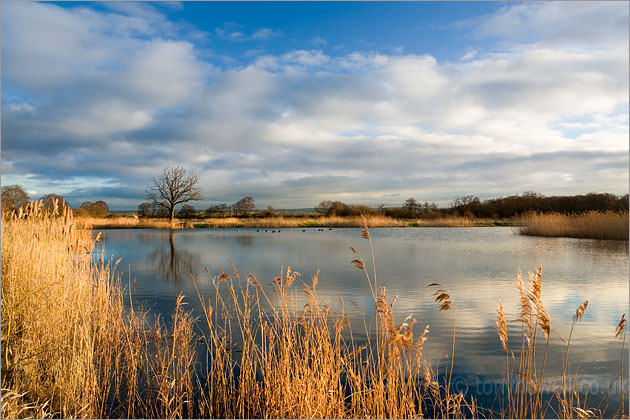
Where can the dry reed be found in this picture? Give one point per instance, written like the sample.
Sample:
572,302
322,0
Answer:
524,398
592,224
277,222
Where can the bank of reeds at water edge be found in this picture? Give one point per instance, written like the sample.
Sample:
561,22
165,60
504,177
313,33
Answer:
592,225
74,346
277,222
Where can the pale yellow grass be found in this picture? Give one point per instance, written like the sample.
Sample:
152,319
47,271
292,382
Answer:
69,349
330,221
375,221
128,223
593,225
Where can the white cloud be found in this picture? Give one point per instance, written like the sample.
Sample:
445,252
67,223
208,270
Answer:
163,73
265,34
469,55
105,118
318,41
583,25
234,32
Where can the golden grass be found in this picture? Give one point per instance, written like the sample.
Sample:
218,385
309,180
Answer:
230,222
96,223
593,225
71,347
375,221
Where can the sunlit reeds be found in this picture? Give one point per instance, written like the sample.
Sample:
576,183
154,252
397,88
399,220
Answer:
523,397
128,223
278,222
592,224
69,347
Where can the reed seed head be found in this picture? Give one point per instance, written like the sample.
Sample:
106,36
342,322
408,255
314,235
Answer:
621,326
579,313
223,276
544,319
358,264
535,286
525,315
442,297
502,326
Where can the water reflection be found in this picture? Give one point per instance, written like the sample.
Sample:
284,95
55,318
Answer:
174,264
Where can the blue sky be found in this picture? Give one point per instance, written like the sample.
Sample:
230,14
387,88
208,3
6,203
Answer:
294,103
241,30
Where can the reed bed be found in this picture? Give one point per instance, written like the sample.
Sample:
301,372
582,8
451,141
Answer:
97,223
231,222
71,346
330,221
592,225
375,221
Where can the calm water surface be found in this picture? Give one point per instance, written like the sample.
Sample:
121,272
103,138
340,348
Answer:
478,266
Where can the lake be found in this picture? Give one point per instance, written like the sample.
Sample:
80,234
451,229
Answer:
478,266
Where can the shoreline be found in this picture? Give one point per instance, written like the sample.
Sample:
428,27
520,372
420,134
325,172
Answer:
280,223
589,225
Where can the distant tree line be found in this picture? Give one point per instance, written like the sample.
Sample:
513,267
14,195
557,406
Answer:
472,206
410,209
14,197
515,205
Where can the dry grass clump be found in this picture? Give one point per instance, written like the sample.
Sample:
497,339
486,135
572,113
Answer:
96,223
592,224
230,222
328,221
378,221
69,348
47,314
449,221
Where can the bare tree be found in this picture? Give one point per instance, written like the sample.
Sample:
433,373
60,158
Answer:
244,205
186,212
13,197
175,186
218,209
333,208
411,207
98,209
145,209
54,203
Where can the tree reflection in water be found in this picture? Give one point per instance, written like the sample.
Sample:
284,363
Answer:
175,265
